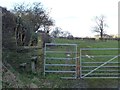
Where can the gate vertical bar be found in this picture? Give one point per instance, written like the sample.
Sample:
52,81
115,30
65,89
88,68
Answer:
76,62
80,63
44,57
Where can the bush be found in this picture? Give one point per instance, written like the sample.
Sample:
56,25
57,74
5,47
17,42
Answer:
8,27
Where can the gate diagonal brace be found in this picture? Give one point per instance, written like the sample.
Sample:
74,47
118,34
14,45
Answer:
100,66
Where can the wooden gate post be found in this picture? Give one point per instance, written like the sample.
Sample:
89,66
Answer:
40,51
78,65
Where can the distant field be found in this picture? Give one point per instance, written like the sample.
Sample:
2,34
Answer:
89,43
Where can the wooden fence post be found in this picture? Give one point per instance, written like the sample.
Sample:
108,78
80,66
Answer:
40,51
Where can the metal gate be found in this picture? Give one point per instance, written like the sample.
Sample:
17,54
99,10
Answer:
60,60
99,63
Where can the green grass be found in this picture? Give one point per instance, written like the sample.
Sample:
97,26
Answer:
90,43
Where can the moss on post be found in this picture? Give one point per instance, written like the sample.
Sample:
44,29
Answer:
40,52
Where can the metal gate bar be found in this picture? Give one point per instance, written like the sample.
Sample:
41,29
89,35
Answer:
93,68
99,66
52,58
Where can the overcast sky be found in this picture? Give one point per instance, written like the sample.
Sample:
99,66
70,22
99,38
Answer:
77,16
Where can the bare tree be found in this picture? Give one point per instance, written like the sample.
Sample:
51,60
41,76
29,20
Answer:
65,34
56,33
100,25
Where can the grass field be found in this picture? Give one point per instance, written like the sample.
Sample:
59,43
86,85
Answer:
52,80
